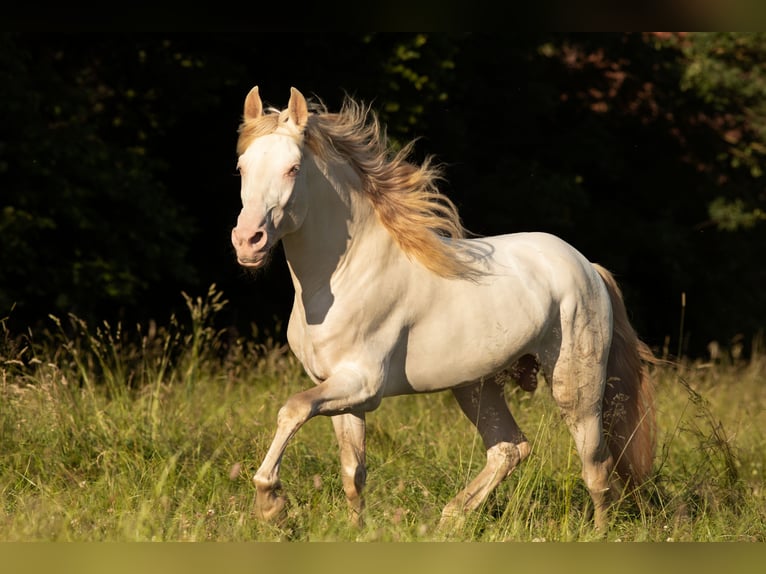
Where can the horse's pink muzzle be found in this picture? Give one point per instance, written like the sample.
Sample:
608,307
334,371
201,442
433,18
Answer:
251,242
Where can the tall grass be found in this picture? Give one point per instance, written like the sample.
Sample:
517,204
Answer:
153,433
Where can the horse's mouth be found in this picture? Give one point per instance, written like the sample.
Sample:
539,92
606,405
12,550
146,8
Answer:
251,262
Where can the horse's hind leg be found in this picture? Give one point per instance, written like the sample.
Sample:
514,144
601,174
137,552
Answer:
484,405
577,387
350,431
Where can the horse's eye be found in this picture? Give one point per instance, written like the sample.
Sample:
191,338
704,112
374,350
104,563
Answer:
294,171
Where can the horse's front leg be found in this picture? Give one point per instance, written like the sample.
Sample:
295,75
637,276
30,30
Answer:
350,431
347,390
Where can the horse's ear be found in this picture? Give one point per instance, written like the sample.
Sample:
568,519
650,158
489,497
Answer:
297,109
253,105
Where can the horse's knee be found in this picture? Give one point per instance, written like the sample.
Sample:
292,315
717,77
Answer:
294,412
505,456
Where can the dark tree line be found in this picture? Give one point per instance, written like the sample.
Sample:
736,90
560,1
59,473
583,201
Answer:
117,186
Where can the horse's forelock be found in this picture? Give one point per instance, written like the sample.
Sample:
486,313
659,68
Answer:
253,128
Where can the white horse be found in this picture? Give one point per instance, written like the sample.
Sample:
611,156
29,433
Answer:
391,298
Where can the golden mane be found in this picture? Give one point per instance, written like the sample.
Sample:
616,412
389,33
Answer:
424,222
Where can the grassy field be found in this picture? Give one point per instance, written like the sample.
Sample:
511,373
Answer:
153,434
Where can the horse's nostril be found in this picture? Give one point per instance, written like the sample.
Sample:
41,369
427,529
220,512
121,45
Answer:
256,238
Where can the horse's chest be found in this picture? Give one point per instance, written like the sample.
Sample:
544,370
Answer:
316,348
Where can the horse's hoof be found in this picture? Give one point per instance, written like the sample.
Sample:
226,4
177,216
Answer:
452,519
270,508
356,517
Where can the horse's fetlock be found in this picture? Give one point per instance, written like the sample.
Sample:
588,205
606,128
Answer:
265,483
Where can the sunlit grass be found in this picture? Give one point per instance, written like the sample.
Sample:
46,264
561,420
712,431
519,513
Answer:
154,434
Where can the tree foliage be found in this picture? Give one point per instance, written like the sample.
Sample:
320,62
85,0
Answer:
724,70
87,221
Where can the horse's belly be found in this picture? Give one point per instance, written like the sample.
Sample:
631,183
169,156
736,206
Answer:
465,342
434,372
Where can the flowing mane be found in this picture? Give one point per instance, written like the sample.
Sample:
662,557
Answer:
424,222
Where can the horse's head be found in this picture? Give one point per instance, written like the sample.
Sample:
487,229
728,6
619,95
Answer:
272,204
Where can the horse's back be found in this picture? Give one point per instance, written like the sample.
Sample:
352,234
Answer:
538,267
534,252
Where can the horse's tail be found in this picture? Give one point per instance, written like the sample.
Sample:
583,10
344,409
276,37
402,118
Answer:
628,414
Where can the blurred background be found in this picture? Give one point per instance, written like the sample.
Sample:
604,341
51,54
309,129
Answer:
118,188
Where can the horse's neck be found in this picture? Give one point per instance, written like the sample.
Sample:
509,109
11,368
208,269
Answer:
339,229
